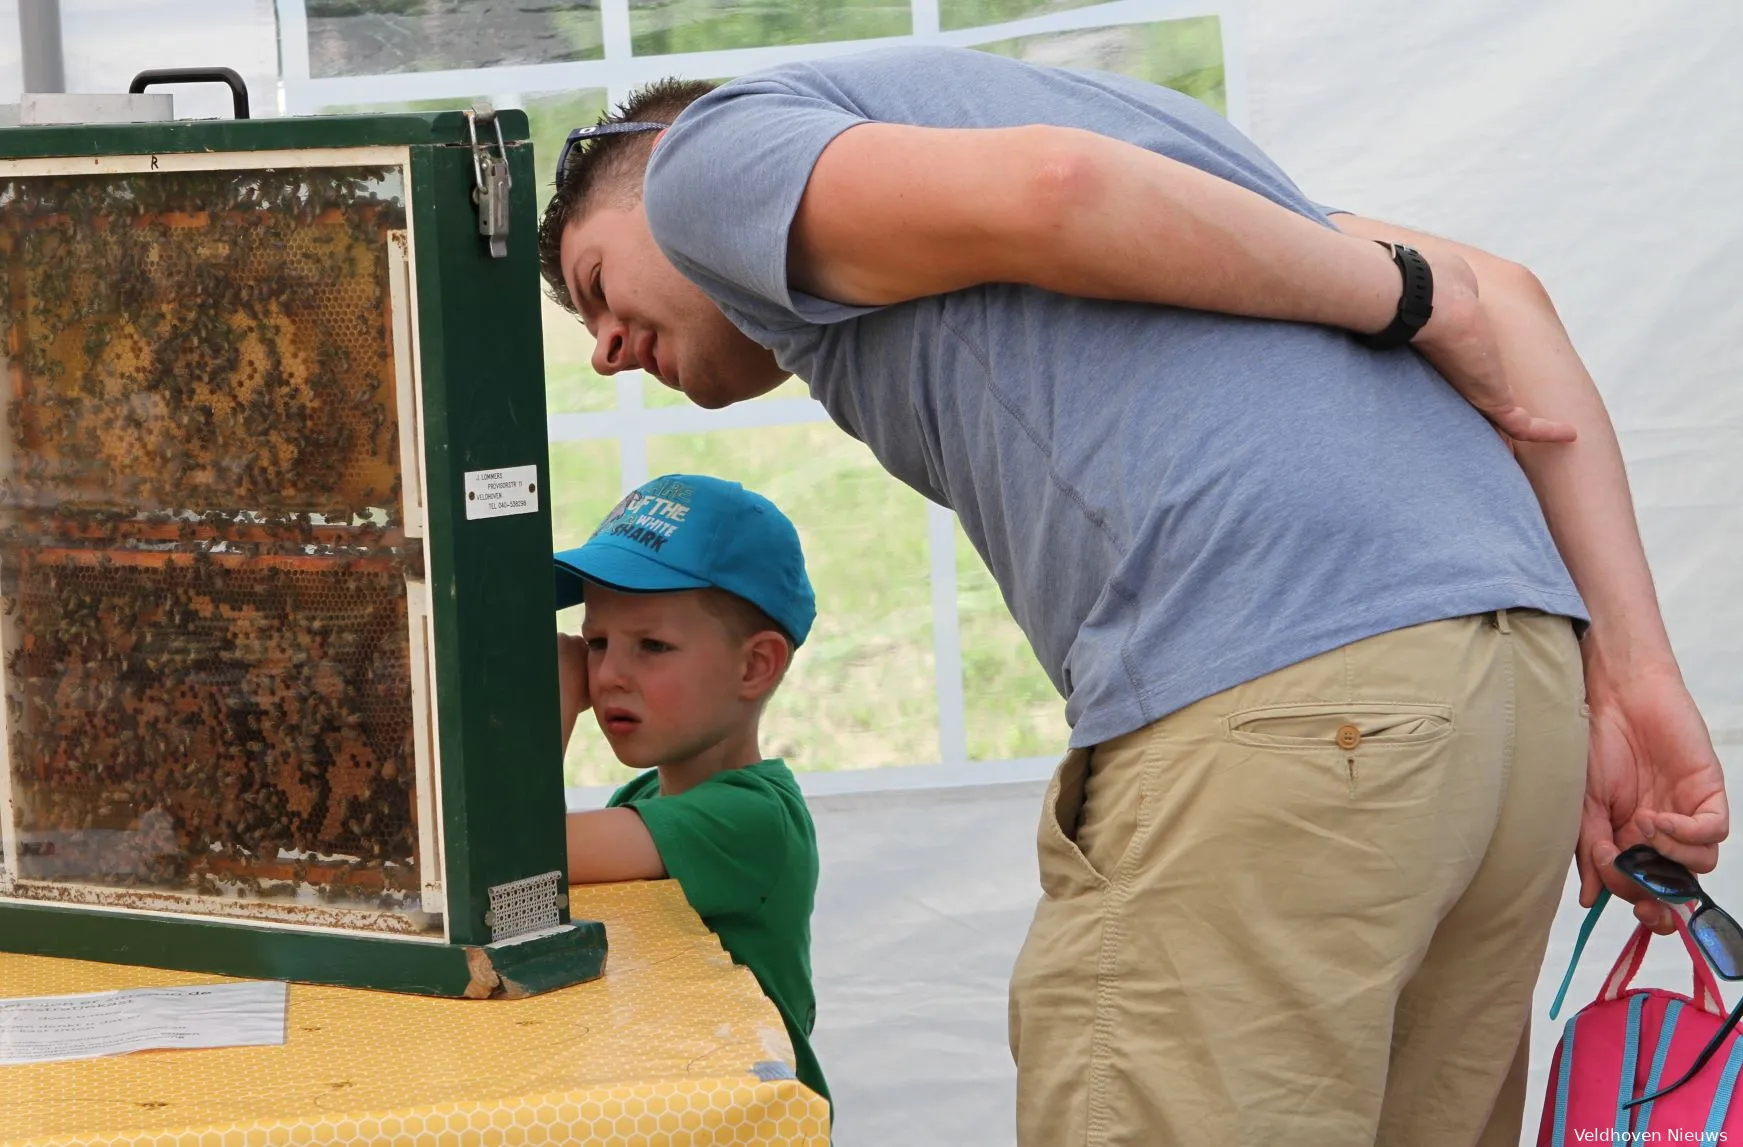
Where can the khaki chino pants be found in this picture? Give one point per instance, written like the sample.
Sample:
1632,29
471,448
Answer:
1311,909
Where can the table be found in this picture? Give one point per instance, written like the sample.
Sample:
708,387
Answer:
675,1045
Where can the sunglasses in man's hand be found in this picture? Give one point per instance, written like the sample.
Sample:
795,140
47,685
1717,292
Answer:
1715,933
1713,928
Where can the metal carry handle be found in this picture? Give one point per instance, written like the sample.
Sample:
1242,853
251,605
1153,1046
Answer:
238,89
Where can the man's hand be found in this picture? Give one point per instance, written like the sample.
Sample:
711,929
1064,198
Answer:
574,698
1460,342
1651,777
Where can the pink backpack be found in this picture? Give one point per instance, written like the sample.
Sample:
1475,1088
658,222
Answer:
1629,1042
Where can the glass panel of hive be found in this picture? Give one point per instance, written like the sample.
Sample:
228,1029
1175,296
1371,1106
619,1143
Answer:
207,675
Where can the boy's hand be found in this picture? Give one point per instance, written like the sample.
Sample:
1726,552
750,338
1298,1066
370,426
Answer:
573,694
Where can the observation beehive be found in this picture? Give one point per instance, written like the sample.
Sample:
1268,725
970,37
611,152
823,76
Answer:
275,582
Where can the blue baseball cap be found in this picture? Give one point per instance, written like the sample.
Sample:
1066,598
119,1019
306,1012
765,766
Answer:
690,531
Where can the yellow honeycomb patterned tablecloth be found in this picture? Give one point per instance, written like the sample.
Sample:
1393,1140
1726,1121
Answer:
661,1051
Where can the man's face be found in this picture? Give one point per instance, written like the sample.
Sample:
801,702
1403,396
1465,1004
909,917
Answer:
644,314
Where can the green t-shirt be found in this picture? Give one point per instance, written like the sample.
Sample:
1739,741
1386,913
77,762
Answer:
742,847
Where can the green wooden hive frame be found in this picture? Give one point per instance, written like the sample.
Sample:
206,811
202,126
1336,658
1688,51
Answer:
489,583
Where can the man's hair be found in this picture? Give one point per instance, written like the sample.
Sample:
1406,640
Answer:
608,166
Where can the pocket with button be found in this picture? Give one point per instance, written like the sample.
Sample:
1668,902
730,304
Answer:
1345,726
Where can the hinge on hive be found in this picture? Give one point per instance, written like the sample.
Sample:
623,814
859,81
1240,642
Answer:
490,179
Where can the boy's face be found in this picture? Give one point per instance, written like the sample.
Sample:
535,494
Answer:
667,680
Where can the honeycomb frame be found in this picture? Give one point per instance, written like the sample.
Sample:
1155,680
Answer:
190,466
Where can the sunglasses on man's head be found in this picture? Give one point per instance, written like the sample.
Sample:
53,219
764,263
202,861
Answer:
582,134
1715,933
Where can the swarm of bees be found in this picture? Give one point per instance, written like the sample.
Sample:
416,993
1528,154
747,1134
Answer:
207,672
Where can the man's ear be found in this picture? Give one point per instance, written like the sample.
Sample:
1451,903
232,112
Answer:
766,657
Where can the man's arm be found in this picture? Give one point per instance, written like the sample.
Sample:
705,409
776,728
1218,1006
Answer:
1653,772
893,212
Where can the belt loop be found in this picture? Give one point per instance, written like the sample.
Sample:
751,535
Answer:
1501,621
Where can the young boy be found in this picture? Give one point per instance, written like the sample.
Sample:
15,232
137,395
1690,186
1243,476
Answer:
696,599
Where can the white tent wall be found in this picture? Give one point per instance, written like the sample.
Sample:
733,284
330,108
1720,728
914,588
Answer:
105,43
1601,144
925,897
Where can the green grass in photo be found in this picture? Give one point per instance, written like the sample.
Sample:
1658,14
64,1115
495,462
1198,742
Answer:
571,384
1186,55
664,27
861,691
550,118
957,14
1010,709
585,483
657,394
398,107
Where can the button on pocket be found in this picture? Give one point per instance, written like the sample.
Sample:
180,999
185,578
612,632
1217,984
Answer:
1340,725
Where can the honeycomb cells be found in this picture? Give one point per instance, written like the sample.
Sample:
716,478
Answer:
207,672
227,349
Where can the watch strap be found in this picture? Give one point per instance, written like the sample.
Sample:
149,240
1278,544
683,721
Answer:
1415,301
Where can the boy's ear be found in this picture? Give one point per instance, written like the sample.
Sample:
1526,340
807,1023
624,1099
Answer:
766,657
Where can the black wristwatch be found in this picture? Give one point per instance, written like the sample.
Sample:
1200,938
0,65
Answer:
1415,302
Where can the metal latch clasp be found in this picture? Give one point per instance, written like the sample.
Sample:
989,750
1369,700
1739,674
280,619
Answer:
490,180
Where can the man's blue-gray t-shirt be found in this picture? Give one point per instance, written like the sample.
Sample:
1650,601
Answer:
1172,502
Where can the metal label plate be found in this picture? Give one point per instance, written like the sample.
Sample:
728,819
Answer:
502,493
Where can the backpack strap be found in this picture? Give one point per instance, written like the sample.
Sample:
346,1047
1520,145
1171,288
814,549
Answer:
1630,1065
1627,964
1666,1033
1715,1130
1564,1077
1705,991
